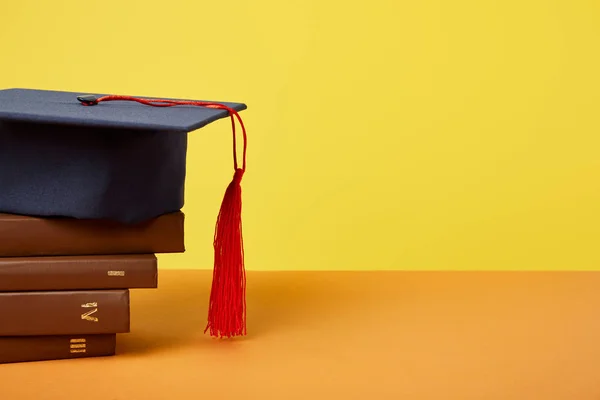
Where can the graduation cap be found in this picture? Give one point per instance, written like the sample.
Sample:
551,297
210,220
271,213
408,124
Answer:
120,158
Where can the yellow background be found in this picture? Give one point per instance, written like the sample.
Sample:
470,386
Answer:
382,134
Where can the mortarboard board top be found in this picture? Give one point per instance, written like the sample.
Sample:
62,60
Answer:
59,107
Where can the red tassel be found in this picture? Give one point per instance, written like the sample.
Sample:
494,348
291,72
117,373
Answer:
227,310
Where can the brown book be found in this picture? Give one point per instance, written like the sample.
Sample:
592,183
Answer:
24,236
64,312
44,348
127,271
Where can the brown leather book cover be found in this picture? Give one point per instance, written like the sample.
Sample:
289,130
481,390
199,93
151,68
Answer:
16,349
64,312
127,271
25,236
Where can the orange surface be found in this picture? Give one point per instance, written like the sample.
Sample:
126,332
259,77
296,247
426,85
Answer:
360,335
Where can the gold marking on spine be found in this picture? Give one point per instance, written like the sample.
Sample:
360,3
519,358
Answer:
87,316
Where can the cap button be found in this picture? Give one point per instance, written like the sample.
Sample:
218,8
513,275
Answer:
88,100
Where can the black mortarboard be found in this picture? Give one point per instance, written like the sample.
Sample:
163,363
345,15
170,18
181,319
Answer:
121,158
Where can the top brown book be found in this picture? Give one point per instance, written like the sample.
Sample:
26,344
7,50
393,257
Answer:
25,236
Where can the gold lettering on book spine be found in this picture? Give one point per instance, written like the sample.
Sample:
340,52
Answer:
77,346
87,316
116,273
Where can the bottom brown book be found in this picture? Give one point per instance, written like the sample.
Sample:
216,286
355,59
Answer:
14,349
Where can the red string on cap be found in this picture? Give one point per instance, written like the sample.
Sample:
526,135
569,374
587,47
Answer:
227,307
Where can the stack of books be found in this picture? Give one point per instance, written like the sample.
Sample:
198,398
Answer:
64,282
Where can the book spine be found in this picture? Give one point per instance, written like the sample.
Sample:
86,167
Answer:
85,312
44,348
78,272
23,236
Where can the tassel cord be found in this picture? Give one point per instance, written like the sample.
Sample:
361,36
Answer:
227,304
